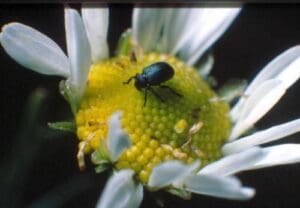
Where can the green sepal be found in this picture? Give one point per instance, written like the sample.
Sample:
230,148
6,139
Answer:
232,89
211,81
250,131
205,65
101,156
68,126
180,193
124,46
101,167
69,94
101,159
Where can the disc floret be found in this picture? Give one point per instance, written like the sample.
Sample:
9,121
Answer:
186,128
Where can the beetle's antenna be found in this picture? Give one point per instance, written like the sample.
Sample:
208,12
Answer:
129,80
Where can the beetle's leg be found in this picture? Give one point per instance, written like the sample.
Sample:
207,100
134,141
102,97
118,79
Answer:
145,98
171,90
155,93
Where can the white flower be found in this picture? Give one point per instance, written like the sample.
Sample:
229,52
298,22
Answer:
39,53
186,33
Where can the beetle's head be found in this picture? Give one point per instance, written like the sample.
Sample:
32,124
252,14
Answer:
140,82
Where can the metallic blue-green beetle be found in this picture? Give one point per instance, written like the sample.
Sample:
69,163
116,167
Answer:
153,75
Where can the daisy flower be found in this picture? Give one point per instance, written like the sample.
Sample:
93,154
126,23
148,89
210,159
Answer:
149,112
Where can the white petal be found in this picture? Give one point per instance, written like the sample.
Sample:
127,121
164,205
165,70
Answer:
79,50
34,50
182,27
218,186
161,28
121,192
278,155
170,172
163,43
233,163
257,105
178,26
262,137
169,30
206,28
284,67
96,20
118,140
205,68
137,197
147,24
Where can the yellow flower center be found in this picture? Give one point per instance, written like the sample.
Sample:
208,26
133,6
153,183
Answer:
193,126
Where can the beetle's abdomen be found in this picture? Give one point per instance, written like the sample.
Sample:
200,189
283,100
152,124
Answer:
158,73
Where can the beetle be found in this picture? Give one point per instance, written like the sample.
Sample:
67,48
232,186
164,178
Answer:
153,75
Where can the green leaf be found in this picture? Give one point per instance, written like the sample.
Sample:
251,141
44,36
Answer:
68,126
180,193
26,148
124,46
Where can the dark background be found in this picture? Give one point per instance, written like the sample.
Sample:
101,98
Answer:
38,167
